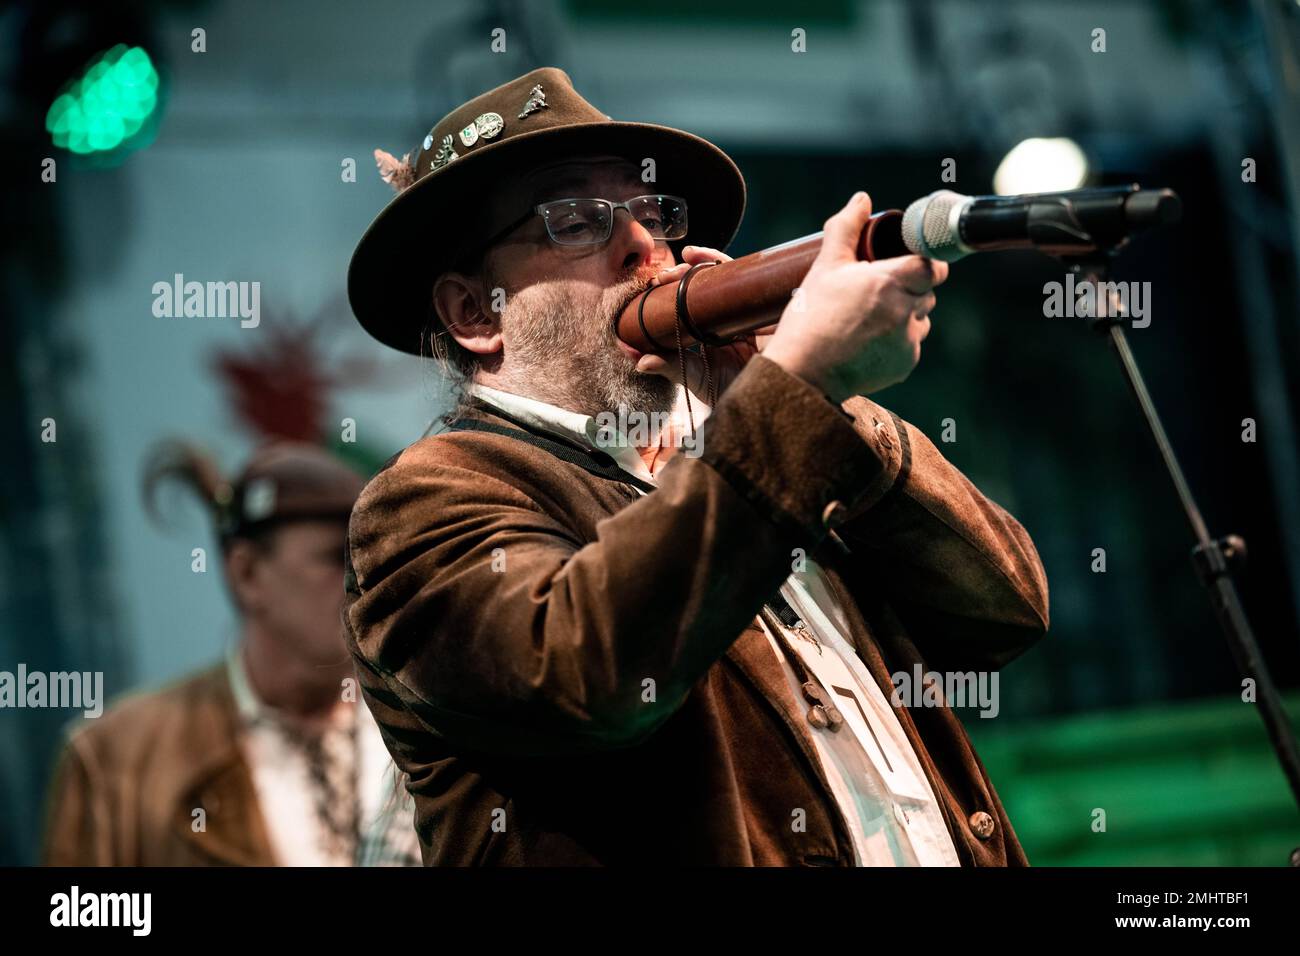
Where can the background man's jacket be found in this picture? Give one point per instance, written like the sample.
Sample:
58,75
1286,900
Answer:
572,673
128,784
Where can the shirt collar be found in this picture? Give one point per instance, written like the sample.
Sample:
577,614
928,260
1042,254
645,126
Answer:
577,425
246,702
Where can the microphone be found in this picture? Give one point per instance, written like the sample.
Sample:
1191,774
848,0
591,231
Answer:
947,225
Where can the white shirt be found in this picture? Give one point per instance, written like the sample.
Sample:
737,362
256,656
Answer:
286,792
875,775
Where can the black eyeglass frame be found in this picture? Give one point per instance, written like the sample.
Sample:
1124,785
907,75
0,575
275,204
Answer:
613,207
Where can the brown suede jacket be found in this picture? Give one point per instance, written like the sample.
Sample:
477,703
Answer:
128,784
572,673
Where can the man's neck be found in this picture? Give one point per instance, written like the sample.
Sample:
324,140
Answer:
284,682
656,454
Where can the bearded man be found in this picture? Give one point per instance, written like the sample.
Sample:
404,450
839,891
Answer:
590,649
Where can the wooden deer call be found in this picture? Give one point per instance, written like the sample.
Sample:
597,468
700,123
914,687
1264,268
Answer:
718,303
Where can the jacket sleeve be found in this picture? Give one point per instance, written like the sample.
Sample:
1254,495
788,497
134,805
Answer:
961,572
472,605
75,832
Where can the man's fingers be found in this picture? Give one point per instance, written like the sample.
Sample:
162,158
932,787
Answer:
669,367
691,255
904,306
844,229
671,274
694,254
654,365
922,328
916,274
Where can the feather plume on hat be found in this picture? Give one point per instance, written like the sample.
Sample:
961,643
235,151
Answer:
398,173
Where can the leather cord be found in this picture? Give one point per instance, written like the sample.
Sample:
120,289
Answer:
682,316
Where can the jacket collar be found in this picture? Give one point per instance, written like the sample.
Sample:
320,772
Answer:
220,783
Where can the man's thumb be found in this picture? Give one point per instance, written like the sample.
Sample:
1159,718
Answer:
844,229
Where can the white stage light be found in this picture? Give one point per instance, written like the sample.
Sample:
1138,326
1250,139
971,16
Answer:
1041,166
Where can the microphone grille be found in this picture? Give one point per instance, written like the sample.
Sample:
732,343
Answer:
929,227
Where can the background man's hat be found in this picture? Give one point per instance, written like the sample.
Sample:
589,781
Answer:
441,213
290,481
282,482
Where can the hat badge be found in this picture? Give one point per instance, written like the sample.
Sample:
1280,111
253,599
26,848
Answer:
485,126
445,153
259,499
489,125
536,101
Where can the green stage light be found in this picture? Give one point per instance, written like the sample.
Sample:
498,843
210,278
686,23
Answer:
108,105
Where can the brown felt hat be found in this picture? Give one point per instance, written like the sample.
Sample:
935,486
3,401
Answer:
288,481
440,214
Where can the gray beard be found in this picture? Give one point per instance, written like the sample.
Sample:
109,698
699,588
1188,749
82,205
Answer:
563,351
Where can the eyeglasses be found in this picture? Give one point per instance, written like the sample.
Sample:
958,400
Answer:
589,222
585,222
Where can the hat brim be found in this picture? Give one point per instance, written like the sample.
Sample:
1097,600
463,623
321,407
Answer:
415,237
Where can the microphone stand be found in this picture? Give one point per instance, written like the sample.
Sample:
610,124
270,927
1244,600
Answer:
1215,559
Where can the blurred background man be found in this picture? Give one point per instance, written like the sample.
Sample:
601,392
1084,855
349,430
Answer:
265,758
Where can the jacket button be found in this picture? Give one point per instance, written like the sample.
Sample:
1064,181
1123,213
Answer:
981,824
834,514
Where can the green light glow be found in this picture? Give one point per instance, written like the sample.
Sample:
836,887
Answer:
108,105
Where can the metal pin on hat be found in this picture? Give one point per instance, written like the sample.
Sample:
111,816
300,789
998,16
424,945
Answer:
536,101
445,153
489,125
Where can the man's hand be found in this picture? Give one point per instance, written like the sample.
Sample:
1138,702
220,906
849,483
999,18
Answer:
725,362
856,327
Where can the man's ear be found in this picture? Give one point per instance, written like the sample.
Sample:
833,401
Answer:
240,565
466,307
